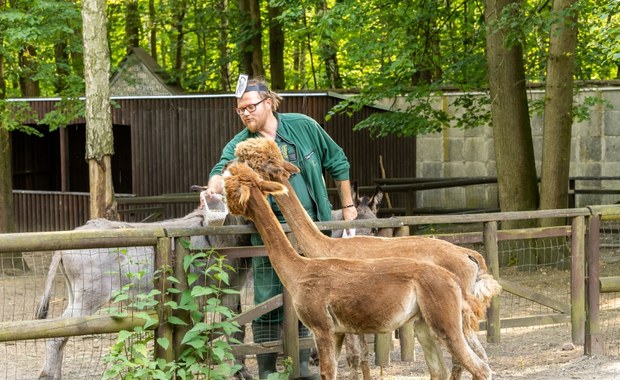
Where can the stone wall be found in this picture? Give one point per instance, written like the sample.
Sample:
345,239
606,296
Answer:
595,151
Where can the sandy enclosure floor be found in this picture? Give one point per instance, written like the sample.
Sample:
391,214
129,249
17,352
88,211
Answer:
534,353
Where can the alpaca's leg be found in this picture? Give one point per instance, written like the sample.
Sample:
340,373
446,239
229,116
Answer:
364,363
476,346
442,312
352,347
328,346
432,353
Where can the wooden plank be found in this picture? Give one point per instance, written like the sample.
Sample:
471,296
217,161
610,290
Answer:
181,285
70,326
268,347
531,295
260,309
537,320
492,257
48,241
501,216
533,233
594,339
163,269
609,284
383,346
578,280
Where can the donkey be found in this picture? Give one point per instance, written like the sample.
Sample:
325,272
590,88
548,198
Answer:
92,277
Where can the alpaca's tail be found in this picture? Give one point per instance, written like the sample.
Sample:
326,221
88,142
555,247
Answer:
476,304
485,288
43,306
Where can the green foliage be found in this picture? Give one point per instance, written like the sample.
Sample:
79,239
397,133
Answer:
14,116
65,112
284,375
203,356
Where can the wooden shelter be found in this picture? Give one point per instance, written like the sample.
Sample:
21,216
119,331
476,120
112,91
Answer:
165,144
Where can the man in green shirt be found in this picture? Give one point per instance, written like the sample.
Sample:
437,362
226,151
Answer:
304,143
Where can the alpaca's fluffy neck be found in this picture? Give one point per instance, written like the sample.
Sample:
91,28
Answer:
284,259
310,239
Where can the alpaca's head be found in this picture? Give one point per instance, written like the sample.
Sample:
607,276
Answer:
240,181
264,157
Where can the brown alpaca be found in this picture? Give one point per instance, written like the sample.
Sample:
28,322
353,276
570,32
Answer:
334,296
468,265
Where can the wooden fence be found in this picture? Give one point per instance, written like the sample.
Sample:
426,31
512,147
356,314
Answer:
581,311
56,211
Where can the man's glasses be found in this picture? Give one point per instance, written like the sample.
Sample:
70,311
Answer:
250,108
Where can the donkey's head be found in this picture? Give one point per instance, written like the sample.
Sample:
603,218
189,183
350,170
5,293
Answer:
367,203
264,157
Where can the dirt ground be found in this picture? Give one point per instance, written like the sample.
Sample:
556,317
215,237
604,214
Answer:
535,353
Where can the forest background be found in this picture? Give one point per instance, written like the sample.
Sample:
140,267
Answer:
376,49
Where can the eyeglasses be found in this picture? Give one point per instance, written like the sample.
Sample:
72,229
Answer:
250,108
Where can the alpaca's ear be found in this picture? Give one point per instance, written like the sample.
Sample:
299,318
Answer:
272,170
245,195
292,169
270,187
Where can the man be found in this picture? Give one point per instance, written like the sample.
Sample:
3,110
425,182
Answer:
305,144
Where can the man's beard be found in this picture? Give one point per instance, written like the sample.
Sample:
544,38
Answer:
252,126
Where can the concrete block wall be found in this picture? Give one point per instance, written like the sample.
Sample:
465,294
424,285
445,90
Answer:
595,151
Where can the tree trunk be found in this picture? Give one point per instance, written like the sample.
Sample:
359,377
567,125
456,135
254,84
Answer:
132,23
514,149
558,117
180,11
99,138
276,49
11,263
222,47
61,60
27,62
257,40
245,22
153,29
328,52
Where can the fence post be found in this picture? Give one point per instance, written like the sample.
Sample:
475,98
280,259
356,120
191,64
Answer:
491,251
593,339
179,331
163,266
578,281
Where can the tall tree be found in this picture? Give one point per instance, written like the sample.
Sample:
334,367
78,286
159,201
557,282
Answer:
222,46
514,149
132,23
558,116
276,48
152,27
256,41
179,13
99,138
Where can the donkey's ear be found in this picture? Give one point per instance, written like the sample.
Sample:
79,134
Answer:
377,198
354,193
